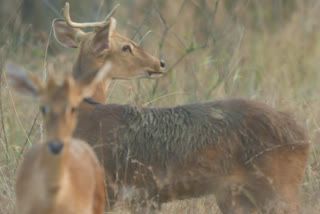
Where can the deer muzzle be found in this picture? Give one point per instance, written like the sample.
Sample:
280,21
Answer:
55,147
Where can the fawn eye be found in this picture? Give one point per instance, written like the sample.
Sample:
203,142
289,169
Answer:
127,48
74,109
44,110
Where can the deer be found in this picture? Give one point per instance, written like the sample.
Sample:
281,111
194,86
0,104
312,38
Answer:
104,44
250,156
61,174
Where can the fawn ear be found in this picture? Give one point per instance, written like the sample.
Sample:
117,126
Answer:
89,82
101,39
65,35
23,82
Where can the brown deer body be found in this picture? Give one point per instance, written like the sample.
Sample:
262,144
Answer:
61,175
250,156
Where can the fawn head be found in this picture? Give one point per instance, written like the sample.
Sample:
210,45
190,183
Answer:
58,102
103,44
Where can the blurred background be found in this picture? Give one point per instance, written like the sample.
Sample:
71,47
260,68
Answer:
266,50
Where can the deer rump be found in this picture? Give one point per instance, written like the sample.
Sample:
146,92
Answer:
197,149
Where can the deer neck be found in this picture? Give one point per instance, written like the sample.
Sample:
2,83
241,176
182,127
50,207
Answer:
99,96
78,72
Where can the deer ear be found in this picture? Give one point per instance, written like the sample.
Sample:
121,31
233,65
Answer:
23,82
88,83
68,83
101,39
65,35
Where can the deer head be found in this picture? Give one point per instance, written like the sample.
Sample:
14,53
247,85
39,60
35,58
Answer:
129,61
58,102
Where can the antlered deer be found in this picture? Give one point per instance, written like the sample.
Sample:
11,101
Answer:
250,156
61,175
103,44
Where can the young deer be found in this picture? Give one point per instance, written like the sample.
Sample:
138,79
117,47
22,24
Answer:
103,44
61,175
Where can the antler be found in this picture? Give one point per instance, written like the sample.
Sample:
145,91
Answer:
86,24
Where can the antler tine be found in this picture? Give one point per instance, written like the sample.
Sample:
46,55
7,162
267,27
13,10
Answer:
80,25
112,12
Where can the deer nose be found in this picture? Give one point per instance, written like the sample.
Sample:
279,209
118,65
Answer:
162,64
55,147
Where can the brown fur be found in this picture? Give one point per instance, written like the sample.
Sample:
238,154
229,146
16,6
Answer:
250,156
79,188
61,175
105,44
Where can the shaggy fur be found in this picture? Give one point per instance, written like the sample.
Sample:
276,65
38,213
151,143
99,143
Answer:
157,134
250,156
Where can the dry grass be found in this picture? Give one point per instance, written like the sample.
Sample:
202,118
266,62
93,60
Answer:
279,66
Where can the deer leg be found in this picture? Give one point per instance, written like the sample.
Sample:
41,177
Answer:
231,200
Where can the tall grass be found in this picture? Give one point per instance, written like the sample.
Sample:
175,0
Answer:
210,55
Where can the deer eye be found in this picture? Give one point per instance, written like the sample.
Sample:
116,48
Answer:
74,109
44,110
127,48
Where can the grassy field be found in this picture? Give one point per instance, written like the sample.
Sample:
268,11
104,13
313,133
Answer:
211,52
